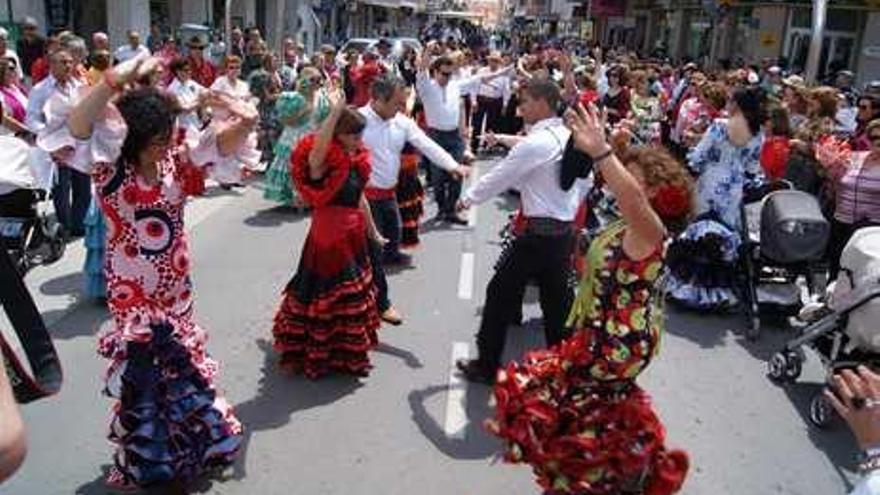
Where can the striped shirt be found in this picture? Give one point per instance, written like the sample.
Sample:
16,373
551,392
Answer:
858,191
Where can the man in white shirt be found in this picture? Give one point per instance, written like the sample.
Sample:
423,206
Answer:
542,250
133,49
68,181
441,98
385,135
492,96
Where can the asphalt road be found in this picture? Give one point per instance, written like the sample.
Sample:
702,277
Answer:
411,426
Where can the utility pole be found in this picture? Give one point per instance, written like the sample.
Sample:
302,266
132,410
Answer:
819,11
280,7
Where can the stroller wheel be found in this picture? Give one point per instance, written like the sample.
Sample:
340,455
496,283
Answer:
777,366
56,242
794,365
821,411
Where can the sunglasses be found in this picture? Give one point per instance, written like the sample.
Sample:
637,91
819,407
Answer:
864,107
446,74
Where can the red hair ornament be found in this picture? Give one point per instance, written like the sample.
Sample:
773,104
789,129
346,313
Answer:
671,202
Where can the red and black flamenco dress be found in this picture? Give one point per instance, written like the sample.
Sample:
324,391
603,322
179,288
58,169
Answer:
410,197
328,319
574,412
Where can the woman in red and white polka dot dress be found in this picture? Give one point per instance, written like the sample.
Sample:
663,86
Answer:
169,423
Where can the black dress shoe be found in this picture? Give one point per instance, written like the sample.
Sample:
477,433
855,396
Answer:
455,219
476,371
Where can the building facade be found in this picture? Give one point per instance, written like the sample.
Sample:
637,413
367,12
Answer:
719,32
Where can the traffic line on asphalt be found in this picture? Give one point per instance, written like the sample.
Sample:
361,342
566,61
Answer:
455,425
466,276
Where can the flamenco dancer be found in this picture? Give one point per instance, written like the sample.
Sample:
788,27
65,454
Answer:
170,425
328,317
301,112
574,412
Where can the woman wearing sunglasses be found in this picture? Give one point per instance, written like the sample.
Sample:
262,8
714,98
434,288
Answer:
868,109
857,198
300,112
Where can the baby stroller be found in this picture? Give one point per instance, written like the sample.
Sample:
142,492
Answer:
847,335
26,231
784,237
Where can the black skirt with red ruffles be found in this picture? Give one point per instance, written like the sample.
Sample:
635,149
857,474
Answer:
410,199
328,319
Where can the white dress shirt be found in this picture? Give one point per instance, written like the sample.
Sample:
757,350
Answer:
495,88
443,103
533,167
386,138
42,166
126,52
39,95
187,94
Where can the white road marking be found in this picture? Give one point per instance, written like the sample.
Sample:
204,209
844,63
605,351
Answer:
456,422
466,276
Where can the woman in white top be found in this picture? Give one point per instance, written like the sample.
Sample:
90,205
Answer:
230,82
229,172
188,93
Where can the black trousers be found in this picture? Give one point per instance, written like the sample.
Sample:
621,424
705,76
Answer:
379,280
78,186
488,109
447,187
546,259
386,216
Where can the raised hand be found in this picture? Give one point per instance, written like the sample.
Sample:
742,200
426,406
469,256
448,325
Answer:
136,68
587,129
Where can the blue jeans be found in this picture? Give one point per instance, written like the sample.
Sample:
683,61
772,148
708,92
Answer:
74,183
386,215
447,187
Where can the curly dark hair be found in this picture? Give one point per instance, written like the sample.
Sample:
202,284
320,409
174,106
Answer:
149,114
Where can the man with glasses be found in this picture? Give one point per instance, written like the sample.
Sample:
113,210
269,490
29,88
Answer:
31,45
203,71
441,95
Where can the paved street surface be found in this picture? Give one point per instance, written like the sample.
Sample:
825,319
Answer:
411,427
